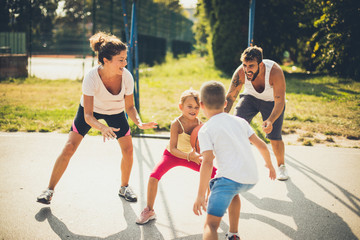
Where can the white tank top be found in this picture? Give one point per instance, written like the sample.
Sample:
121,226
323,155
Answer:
268,93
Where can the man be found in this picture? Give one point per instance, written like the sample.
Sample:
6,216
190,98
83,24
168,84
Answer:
265,93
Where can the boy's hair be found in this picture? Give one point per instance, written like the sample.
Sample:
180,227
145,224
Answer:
190,93
251,54
212,95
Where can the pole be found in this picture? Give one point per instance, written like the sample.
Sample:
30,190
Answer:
251,23
94,25
132,42
111,15
136,52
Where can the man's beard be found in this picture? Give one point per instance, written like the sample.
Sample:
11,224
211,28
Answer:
255,74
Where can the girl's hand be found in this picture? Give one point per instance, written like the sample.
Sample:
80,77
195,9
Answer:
108,132
147,125
195,157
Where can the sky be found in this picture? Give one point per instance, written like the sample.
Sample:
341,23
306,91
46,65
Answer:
188,3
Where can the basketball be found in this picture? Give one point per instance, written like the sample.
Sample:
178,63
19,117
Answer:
194,141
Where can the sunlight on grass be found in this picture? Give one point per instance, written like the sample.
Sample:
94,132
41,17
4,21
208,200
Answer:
315,103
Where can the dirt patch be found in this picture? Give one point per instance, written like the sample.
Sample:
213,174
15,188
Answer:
303,138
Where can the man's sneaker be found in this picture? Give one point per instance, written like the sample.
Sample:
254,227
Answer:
232,237
128,194
283,174
145,216
46,196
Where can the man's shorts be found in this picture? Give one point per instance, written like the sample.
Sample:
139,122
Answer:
118,120
222,192
249,106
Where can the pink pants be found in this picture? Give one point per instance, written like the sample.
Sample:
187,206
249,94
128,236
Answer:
169,161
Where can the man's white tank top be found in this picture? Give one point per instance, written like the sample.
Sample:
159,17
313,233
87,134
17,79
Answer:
268,93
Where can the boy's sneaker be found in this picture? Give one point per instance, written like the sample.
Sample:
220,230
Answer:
283,174
145,216
128,194
46,196
232,237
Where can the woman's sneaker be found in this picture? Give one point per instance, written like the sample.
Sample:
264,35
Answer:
46,196
128,194
145,216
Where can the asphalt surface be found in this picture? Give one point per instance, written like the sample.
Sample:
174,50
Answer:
321,200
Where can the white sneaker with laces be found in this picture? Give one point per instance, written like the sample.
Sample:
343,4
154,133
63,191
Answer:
283,174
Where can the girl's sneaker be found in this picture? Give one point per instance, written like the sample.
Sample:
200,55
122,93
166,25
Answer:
233,237
46,196
145,216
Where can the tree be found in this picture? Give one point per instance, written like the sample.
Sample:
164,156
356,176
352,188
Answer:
34,17
334,46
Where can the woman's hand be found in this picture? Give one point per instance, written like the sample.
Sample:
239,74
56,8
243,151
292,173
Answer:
147,125
108,132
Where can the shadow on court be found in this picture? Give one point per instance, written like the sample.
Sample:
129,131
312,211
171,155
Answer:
319,201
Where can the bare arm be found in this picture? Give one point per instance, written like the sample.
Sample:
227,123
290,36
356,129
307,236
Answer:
205,176
264,151
133,114
235,86
107,132
277,79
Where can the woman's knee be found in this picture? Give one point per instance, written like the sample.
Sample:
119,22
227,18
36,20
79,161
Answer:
127,151
70,148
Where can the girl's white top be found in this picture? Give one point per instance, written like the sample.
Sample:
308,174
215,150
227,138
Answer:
104,101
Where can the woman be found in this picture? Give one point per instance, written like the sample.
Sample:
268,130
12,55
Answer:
107,93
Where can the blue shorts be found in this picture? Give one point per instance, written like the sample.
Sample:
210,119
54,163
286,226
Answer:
249,106
118,120
222,192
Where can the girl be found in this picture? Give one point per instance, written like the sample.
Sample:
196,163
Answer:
178,152
107,93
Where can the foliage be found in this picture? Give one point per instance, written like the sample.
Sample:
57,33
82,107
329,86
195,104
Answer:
334,46
321,35
315,103
227,35
20,15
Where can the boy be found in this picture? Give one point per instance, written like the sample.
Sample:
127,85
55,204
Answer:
227,139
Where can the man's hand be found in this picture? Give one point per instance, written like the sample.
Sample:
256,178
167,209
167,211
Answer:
267,126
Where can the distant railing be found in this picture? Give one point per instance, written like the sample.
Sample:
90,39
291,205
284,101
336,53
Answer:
12,43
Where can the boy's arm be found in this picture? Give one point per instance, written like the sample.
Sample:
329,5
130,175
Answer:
205,176
261,146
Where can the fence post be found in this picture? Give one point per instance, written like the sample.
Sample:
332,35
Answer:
132,42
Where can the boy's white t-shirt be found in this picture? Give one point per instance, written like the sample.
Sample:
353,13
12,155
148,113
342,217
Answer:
228,137
104,101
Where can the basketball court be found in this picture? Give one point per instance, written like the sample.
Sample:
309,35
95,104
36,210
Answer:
321,200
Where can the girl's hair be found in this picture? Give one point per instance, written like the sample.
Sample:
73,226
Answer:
190,93
106,46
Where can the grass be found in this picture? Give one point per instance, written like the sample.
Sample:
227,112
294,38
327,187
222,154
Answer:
315,103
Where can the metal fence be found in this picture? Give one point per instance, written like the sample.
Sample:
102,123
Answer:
13,42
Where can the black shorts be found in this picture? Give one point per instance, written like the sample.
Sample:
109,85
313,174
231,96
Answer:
249,106
118,120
